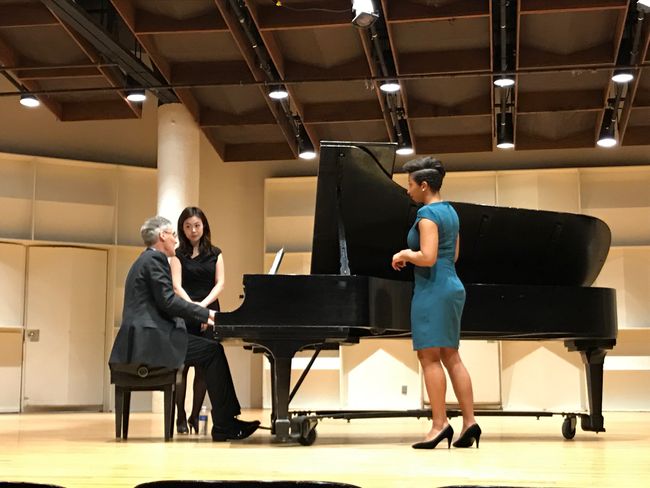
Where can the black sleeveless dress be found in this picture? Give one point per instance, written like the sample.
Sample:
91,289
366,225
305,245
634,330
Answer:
198,275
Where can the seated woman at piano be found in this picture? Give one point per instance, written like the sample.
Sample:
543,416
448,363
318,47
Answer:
198,276
437,303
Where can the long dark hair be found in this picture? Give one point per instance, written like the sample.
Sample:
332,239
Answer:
426,169
184,244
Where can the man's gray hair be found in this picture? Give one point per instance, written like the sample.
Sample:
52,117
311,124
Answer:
151,229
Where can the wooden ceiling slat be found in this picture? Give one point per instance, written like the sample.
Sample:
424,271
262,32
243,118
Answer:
57,73
109,73
535,58
215,118
25,15
406,11
98,110
475,106
560,101
583,139
633,88
316,113
150,23
463,61
256,152
248,53
270,17
544,6
367,49
206,72
637,136
354,69
8,57
455,144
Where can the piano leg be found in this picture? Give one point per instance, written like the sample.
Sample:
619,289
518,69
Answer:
593,356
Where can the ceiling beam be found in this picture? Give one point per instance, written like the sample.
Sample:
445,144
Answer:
455,144
210,72
407,11
536,58
544,6
320,113
560,101
9,57
633,88
250,57
151,23
271,17
583,139
217,118
435,62
25,15
272,151
58,73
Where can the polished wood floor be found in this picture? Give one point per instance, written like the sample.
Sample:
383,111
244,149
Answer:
79,450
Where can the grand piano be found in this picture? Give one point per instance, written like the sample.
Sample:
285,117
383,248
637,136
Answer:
527,275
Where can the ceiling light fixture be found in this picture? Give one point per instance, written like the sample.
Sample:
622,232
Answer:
389,86
622,76
404,144
278,92
504,81
607,137
305,147
29,100
136,95
364,13
505,131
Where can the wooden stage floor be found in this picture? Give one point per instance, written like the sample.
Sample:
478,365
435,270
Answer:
79,450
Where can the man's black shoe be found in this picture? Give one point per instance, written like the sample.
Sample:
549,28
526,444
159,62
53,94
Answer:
235,430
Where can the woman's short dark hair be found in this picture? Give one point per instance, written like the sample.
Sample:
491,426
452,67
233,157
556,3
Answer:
184,245
426,169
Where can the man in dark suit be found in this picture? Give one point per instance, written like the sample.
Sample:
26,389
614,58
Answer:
153,332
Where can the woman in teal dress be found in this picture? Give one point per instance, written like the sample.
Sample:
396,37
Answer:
437,304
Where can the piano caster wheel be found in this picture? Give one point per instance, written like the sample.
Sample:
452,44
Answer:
569,427
309,438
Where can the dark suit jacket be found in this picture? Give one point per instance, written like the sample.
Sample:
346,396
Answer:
152,332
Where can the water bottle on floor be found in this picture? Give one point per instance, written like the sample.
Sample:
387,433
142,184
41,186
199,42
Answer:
203,420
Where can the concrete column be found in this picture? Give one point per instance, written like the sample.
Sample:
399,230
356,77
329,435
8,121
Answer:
178,181
178,160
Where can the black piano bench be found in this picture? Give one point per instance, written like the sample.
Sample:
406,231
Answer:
142,378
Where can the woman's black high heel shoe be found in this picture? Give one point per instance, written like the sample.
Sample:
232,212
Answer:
473,433
446,433
193,423
181,425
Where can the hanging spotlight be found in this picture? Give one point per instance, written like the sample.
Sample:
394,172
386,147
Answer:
278,92
504,81
364,13
607,137
29,100
305,147
622,76
505,131
404,144
136,95
389,86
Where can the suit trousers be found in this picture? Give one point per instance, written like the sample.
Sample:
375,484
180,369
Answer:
209,355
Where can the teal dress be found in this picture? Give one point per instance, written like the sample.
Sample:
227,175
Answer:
438,295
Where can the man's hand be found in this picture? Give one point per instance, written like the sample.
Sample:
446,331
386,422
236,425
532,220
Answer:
210,320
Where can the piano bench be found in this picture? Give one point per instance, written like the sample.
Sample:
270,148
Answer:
142,378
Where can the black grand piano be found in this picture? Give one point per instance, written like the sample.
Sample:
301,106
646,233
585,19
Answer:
527,275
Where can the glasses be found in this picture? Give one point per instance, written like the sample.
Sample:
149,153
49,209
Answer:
167,231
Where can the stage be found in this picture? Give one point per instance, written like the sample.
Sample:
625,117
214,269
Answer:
79,450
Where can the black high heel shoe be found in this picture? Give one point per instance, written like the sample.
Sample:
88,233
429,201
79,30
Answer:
446,433
473,433
193,423
181,425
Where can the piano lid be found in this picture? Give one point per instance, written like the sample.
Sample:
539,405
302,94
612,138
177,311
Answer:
498,245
